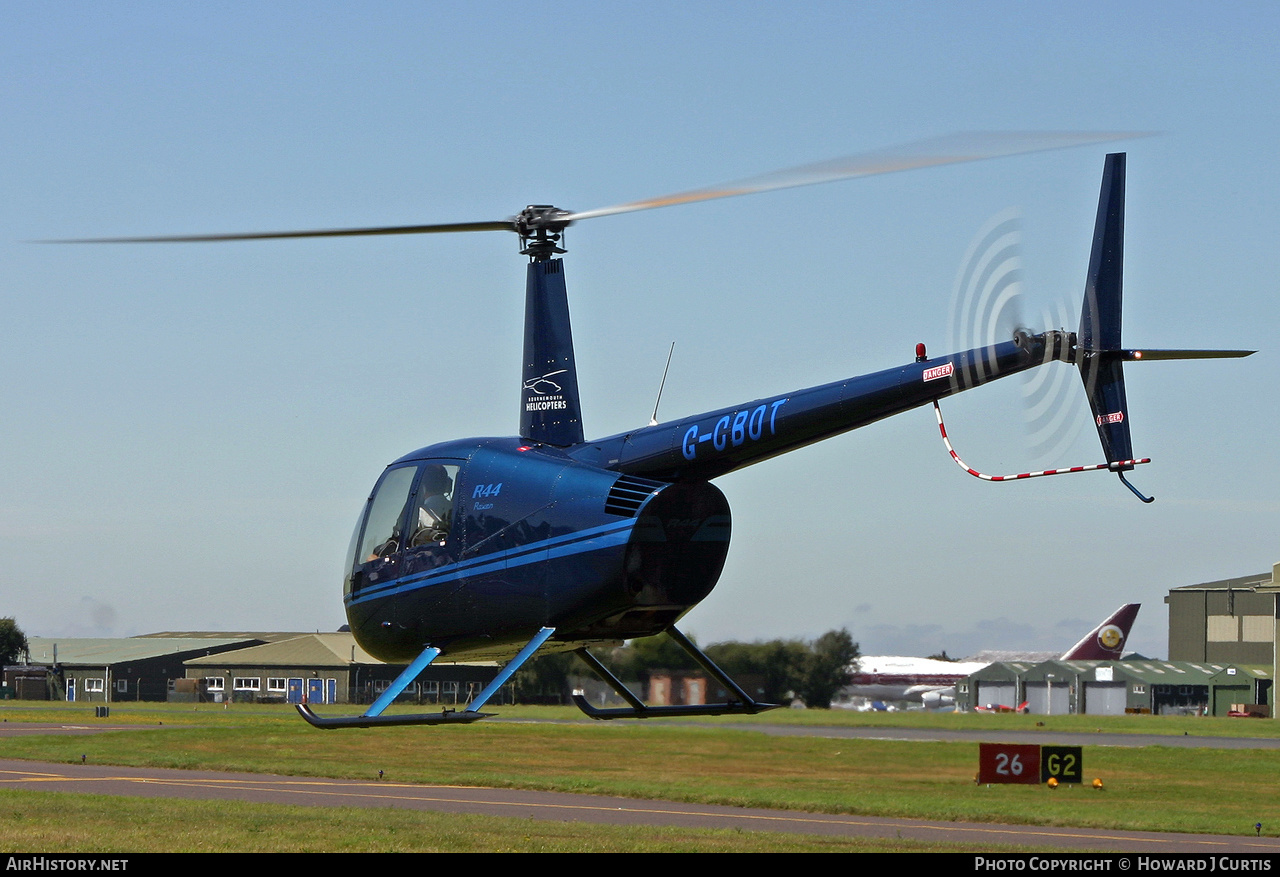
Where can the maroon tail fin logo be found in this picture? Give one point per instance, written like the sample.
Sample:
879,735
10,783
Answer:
1106,641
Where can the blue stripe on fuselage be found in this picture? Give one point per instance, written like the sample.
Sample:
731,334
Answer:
579,542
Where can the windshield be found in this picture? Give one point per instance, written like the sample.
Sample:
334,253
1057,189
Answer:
382,530
411,507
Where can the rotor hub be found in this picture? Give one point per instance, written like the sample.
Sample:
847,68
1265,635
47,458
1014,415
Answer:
541,229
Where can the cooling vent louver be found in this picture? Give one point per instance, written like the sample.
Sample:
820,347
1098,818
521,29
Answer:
628,494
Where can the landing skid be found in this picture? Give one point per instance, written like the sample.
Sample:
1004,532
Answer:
740,703
444,717
373,716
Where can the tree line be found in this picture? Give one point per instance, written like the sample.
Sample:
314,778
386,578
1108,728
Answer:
13,642
776,671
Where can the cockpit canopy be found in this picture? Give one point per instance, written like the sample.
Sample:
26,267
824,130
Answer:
411,508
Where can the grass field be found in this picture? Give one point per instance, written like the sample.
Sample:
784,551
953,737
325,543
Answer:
723,762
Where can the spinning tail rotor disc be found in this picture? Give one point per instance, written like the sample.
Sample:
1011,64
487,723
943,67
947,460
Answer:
1055,413
987,307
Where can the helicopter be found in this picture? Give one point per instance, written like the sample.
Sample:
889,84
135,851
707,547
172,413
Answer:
495,548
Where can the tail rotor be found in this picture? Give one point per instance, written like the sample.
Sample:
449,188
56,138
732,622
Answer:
1053,414
988,301
987,293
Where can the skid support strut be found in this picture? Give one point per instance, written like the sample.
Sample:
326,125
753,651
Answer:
373,716
738,701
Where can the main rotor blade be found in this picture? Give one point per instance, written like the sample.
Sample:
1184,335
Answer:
500,225
948,149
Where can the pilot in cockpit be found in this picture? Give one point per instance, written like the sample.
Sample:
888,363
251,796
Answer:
435,507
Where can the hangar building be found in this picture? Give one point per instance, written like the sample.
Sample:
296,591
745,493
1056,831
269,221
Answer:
1117,687
1233,620
257,667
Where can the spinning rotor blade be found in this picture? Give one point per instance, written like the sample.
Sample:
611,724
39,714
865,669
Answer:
545,222
948,149
502,225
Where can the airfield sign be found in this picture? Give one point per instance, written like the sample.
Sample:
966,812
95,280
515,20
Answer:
1028,763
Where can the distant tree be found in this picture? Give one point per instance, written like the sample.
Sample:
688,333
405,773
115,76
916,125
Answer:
786,668
640,657
543,679
942,656
778,664
13,642
813,671
828,668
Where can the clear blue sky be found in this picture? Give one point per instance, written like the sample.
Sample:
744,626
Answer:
190,430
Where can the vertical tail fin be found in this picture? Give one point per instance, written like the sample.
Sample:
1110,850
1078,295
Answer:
1099,352
1106,641
1100,316
1100,356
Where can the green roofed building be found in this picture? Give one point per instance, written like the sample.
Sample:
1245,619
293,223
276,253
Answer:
222,667
104,670
1232,621
324,668
1119,687
1229,620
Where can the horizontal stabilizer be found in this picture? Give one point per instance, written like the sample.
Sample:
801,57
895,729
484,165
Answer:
1139,355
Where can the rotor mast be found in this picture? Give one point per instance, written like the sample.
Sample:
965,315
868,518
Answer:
550,410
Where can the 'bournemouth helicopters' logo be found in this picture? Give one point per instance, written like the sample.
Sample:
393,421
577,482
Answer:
545,393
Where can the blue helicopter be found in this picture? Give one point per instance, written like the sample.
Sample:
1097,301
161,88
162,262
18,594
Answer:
495,548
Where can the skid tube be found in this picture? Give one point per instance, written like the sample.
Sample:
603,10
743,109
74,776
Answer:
740,703
373,716
444,717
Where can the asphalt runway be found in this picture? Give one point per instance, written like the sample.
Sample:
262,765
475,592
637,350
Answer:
563,807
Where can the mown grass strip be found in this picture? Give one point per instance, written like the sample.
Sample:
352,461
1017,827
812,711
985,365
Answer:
47,822
1151,788
189,714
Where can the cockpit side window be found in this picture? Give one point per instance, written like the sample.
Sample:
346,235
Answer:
433,505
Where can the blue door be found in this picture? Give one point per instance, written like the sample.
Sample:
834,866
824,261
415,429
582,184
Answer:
315,691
